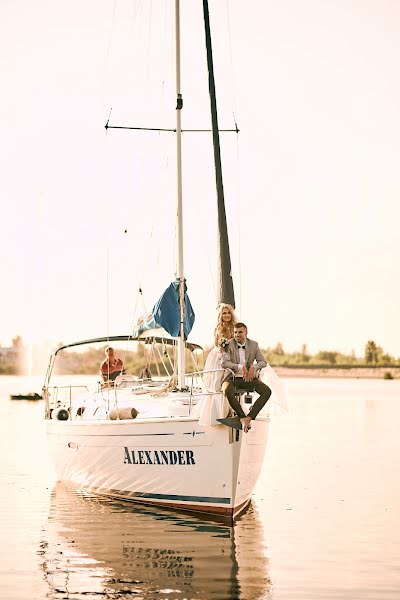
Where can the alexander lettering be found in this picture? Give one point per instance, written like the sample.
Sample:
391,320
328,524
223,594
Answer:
159,457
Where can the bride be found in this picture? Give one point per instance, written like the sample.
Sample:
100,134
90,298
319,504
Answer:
223,333
214,405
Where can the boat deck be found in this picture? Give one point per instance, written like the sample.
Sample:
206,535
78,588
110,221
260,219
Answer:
151,400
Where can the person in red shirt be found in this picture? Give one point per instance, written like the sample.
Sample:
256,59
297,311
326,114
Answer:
111,367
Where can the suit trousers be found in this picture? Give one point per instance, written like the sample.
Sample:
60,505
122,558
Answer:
229,387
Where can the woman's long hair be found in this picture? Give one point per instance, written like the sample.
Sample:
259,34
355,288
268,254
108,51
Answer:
222,329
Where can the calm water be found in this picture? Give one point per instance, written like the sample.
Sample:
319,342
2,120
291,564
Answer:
324,521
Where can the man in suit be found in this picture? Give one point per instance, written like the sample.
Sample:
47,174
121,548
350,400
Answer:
244,357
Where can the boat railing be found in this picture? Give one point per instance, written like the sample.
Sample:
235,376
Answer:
61,395
199,384
203,383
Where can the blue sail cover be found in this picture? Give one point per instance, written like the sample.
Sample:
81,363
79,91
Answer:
166,314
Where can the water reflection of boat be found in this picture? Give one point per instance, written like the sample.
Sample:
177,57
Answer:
98,546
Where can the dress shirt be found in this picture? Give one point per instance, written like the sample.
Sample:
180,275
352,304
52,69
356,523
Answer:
242,359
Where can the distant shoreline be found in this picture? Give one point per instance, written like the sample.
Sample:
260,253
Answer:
344,372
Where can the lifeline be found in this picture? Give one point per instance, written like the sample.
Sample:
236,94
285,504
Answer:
159,457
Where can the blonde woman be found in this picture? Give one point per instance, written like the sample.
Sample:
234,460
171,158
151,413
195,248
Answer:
223,334
226,322
214,406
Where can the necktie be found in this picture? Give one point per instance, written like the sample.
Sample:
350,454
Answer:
239,346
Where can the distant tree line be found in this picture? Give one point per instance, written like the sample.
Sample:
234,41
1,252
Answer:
88,361
374,356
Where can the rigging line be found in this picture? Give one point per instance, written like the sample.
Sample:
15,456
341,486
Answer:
108,51
128,20
161,182
140,294
140,287
134,319
150,241
147,44
111,33
163,38
132,322
106,197
233,86
238,220
204,226
111,37
146,41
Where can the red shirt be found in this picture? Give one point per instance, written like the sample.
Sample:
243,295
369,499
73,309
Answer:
106,367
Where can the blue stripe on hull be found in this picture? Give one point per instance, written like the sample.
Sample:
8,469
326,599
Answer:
206,499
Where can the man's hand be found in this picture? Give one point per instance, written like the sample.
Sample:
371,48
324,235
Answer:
250,374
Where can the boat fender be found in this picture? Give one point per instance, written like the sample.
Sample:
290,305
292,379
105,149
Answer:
123,413
61,414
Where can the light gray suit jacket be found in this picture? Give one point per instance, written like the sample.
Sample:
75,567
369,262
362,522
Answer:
230,358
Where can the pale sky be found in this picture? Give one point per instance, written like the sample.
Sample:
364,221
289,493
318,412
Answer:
312,185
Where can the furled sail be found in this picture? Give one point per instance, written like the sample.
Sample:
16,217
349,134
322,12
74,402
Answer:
166,314
225,292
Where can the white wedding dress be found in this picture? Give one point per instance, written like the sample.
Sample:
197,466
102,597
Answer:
214,405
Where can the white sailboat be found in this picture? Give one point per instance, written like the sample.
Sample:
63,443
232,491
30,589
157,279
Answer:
142,441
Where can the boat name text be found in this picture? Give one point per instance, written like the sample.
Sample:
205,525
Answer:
158,457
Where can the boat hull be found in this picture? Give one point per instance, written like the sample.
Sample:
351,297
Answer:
176,464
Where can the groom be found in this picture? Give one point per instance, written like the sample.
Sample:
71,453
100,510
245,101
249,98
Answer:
245,359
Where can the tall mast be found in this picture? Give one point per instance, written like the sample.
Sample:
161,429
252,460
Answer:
180,271
225,281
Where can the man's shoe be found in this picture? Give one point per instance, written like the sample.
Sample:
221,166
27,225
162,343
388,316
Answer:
231,422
